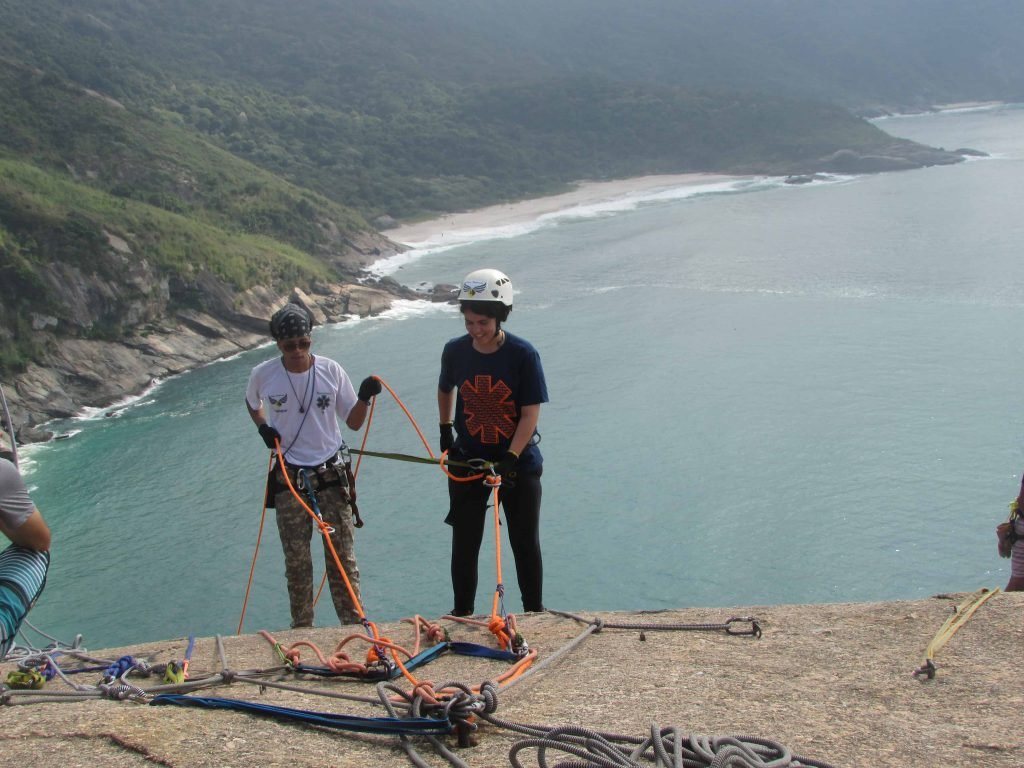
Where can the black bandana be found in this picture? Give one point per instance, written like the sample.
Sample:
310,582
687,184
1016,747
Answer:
291,321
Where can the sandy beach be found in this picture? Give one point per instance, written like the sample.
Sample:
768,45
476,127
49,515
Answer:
504,214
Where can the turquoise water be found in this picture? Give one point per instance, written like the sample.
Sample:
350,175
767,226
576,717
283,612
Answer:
760,394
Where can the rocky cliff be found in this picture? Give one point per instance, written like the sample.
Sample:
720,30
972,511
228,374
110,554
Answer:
171,324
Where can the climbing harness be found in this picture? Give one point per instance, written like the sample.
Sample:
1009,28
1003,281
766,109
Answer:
961,614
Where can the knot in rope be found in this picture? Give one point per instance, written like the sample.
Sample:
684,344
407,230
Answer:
497,628
461,710
423,692
341,662
489,694
438,634
378,652
281,655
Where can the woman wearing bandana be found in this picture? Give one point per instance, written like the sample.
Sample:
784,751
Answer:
296,401
489,395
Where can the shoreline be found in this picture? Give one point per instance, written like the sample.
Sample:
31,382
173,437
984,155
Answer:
176,355
585,193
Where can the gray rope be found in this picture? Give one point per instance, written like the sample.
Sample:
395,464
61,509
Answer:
666,747
586,748
725,626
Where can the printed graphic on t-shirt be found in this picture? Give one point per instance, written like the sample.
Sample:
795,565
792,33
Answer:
323,401
278,402
490,415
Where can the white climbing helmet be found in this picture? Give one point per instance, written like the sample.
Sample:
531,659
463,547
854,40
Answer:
487,285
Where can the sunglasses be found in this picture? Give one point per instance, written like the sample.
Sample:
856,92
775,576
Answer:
293,344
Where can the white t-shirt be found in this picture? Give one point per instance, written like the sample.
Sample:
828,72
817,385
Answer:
15,505
303,407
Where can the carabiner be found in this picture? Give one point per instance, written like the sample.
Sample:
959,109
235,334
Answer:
754,631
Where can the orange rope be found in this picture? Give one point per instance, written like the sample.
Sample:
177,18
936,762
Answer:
496,625
419,432
259,536
324,530
504,629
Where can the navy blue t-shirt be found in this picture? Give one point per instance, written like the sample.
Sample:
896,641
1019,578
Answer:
492,392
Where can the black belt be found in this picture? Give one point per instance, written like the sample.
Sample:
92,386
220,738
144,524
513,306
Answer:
322,476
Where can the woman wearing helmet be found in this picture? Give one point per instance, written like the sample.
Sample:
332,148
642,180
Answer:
489,395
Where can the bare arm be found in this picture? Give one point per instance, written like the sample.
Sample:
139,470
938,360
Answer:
256,414
32,534
357,415
529,417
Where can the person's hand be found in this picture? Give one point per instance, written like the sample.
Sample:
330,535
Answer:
447,437
507,467
270,436
369,389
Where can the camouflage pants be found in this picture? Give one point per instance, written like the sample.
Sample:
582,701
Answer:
296,527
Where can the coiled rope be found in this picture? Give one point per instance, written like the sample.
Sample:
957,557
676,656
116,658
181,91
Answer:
669,747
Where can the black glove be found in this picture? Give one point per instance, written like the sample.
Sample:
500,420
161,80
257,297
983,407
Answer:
447,437
369,389
507,467
269,435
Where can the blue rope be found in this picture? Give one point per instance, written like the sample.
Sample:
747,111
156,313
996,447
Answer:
472,649
413,726
120,666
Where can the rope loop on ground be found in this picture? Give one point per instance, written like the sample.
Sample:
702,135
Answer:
753,631
665,747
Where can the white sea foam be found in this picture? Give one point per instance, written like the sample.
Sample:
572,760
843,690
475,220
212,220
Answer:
119,407
406,308
455,237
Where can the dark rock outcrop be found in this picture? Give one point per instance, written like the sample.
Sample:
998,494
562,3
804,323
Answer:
170,325
901,156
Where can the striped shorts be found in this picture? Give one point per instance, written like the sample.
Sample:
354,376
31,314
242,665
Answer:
22,578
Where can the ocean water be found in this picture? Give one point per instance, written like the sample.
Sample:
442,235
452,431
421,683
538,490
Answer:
761,393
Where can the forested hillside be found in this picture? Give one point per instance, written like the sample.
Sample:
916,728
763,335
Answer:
170,155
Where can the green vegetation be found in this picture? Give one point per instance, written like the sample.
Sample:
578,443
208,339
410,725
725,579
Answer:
252,140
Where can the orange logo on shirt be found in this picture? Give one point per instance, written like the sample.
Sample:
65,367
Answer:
490,415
